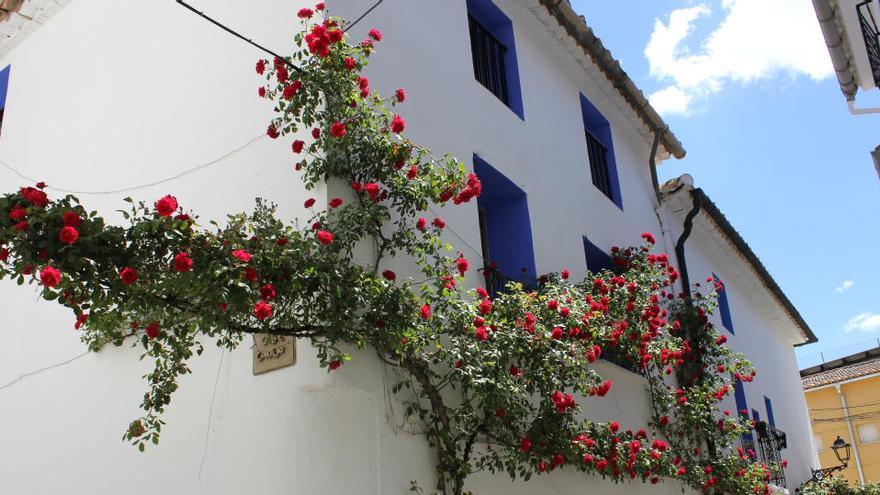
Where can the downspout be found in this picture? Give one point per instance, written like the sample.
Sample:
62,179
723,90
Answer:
658,136
679,246
849,427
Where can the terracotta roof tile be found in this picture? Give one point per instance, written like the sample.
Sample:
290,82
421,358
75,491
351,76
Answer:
842,373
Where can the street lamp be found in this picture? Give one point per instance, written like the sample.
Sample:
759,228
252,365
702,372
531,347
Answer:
842,451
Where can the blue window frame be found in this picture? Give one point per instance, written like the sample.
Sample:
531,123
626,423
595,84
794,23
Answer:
724,306
505,229
742,410
597,259
768,405
756,415
493,49
4,85
600,150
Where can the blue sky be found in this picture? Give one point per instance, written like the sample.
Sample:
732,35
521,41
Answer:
770,140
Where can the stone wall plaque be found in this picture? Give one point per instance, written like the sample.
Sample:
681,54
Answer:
272,352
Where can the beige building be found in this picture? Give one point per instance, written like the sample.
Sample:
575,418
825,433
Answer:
843,398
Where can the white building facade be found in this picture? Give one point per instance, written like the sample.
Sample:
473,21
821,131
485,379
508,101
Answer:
119,98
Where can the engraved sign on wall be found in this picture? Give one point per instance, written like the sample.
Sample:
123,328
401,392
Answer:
272,352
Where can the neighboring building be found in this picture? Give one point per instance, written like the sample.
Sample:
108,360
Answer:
109,94
843,397
852,35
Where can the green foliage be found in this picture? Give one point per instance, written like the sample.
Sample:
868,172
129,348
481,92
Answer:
498,383
835,485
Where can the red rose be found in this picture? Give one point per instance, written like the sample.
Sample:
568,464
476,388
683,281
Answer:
324,237
41,185
462,264
350,63
649,237
166,205
525,444
68,235
21,226
604,388
261,92
425,310
309,203
152,330
298,146
17,213
50,277
400,94
480,334
304,13
250,274
320,6
398,124
128,276
335,203
262,310
421,223
267,292
556,334
261,66
71,219
372,189
290,90
4,254
565,274
316,133
182,263
721,340
337,129
485,307
439,223
35,196
614,426
242,255
413,172
375,34
334,365
389,275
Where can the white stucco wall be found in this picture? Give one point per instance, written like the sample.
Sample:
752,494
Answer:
116,93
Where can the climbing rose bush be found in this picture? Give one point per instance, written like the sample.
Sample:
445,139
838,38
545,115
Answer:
500,384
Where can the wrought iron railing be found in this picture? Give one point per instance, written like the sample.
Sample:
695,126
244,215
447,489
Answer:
871,33
771,442
488,54
496,281
598,154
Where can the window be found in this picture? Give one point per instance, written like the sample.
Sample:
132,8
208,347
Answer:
869,433
600,150
742,409
4,84
493,50
505,230
768,405
755,415
724,305
597,259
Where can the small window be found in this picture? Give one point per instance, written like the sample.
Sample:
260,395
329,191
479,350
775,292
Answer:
768,405
724,305
505,230
4,85
493,50
869,433
600,152
597,259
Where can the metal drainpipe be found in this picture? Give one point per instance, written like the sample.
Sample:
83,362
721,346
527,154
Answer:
852,436
679,246
658,136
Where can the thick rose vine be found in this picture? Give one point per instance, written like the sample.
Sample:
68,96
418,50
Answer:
498,383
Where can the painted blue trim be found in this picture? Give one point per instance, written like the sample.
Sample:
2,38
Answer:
4,85
496,22
508,223
768,405
597,259
755,415
739,394
600,128
724,306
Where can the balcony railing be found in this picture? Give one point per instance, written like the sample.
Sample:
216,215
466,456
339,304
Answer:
872,37
770,444
496,282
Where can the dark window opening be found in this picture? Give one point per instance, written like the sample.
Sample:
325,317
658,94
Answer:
600,152
493,51
505,231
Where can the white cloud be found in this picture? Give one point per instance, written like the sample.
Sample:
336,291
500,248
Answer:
845,286
755,40
865,322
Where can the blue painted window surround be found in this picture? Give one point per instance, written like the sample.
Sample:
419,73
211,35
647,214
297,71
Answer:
755,415
597,259
506,230
739,394
493,48
724,306
4,85
768,405
600,151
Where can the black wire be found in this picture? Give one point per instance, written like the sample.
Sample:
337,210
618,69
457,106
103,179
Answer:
234,33
361,17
